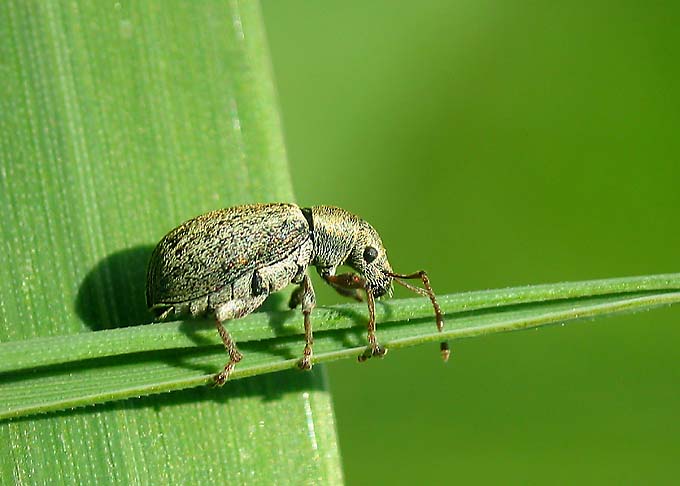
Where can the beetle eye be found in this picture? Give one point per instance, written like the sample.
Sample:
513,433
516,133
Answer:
370,254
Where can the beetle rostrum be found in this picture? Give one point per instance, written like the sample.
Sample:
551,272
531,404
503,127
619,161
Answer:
226,262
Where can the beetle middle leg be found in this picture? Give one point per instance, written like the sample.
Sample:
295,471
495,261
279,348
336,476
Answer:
304,295
350,284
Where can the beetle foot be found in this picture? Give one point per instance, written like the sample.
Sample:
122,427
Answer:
222,377
375,350
306,362
378,351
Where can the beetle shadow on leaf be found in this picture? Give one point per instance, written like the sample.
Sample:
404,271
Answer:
113,292
356,335
267,388
284,325
279,320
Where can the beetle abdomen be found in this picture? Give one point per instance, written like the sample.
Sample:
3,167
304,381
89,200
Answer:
215,255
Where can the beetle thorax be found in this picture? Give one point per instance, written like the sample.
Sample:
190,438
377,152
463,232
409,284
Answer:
334,233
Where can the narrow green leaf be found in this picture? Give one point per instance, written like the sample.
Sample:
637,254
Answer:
155,337
91,368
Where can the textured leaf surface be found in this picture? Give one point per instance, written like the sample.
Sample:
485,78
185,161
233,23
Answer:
119,121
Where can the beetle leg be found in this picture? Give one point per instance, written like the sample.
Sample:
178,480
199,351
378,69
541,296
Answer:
346,281
163,312
296,296
351,283
428,292
225,311
375,348
346,284
351,293
305,294
234,355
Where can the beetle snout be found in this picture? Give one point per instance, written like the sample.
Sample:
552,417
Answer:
381,285
380,291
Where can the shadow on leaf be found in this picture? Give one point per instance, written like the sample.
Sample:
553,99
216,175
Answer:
113,292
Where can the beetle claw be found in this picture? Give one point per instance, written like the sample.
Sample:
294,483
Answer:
379,351
305,363
218,380
221,378
376,350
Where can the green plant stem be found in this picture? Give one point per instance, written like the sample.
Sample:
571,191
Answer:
91,368
258,326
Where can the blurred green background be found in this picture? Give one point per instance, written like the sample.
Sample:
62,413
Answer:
499,143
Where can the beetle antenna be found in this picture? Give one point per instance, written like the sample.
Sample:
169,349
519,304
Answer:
427,292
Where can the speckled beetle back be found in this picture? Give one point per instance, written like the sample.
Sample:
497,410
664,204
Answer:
214,250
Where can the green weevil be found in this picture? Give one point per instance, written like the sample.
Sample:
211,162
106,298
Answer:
226,262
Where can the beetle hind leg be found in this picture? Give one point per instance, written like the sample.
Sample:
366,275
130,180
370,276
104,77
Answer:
234,354
304,294
232,309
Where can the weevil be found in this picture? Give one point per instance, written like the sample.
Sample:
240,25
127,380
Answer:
226,262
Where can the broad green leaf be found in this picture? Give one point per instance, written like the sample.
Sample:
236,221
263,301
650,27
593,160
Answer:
118,121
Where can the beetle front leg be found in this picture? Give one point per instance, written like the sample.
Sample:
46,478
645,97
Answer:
305,295
428,292
346,285
375,348
351,282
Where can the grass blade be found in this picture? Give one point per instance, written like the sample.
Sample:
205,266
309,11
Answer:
91,368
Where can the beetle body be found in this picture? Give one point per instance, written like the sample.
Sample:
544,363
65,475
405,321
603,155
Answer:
238,254
226,262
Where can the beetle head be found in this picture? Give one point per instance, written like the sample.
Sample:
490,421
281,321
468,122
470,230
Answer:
342,238
369,258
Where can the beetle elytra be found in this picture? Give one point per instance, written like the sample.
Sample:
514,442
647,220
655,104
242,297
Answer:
226,262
